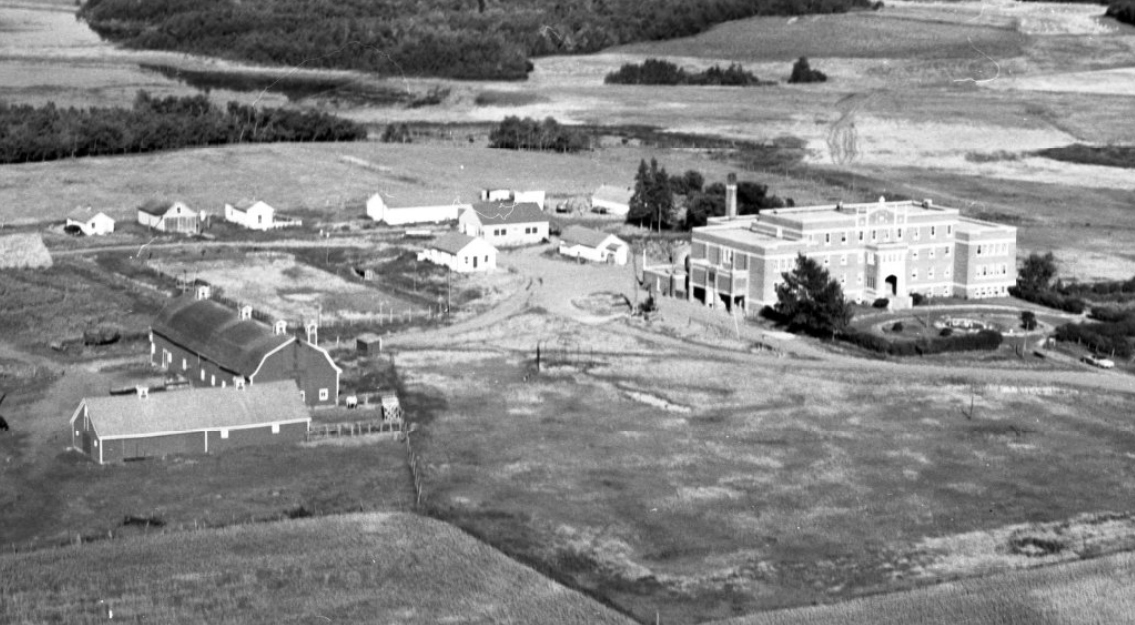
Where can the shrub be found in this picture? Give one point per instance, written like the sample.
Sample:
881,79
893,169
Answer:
897,327
986,340
882,302
918,299
1028,320
802,72
946,332
1051,299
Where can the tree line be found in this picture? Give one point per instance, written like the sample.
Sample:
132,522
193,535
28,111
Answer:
45,133
466,39
1123,11
514,133
659,198
662,72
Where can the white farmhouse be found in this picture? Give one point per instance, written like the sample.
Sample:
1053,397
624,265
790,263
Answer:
600,247
611,200
396,212
461,253
256,215
168,216
505,224
90,224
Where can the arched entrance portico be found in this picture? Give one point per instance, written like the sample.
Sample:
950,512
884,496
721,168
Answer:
892,283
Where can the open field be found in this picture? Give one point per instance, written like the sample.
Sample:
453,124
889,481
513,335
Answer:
359,568
748,488
1082,593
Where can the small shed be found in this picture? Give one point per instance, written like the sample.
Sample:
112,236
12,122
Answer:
89,223
461,253
368,344
593,245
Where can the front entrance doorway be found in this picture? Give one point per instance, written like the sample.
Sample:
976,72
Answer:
892,284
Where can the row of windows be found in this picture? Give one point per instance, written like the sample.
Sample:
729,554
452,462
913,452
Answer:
992,270
990,291
884,233
468,257
929,273
931,252
993,249
500,232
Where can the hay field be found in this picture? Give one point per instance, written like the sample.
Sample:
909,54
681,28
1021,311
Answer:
1082,593
362,568
744,489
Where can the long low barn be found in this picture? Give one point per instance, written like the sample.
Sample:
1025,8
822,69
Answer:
194,421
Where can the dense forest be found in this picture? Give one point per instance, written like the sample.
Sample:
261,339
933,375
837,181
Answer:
28,133
660,72
469,39
514,133
1122,10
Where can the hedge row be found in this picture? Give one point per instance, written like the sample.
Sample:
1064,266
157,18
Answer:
1051,299
982,340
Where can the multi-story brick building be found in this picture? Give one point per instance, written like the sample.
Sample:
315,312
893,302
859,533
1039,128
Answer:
880,249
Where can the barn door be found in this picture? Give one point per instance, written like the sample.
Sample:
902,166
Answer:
87,443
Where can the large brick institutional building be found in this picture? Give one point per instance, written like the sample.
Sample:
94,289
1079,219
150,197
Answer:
879,249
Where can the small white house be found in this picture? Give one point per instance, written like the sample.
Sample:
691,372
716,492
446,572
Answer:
393,212
256,215
168,216
511,195
461,253
505,224
600,247
89,223
611,200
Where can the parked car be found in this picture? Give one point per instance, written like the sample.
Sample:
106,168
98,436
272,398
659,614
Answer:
1096,361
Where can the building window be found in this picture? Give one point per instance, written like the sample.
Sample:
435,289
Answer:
275,428
930,273
843,260
202,375
843,237
827,261
933,231
827,238
224,433
949,229
931,252
860,236
873,233
914,254
184,364
913,274
979,250
946,252
726,256
870,259
323,394
900,233
212,380
303,395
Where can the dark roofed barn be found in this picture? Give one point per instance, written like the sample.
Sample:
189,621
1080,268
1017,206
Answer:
212,345
196,421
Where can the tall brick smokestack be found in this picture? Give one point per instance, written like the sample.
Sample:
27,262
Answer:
731,197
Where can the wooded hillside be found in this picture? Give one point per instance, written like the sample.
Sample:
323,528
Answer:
469,39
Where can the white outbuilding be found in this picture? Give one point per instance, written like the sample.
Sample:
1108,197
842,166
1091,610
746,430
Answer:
90,223
398,212
588,244
611,200
256,215
461,253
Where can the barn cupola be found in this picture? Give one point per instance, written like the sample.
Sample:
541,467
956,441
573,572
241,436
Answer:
203,291
143,392
280,327
245,313
238,382
312,329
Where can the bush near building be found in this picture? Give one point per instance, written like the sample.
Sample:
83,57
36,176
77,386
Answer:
984,340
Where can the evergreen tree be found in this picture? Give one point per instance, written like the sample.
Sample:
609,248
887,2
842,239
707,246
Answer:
811,300
640,200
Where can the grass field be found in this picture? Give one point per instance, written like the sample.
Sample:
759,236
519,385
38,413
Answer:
360,568
1082,593
746,490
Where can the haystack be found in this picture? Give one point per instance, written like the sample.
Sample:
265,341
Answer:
23,250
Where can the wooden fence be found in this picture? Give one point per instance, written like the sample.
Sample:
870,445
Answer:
357,428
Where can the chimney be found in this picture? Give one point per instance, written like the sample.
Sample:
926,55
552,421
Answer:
143,391
203,291
280,327
245,313
731,196
312,329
